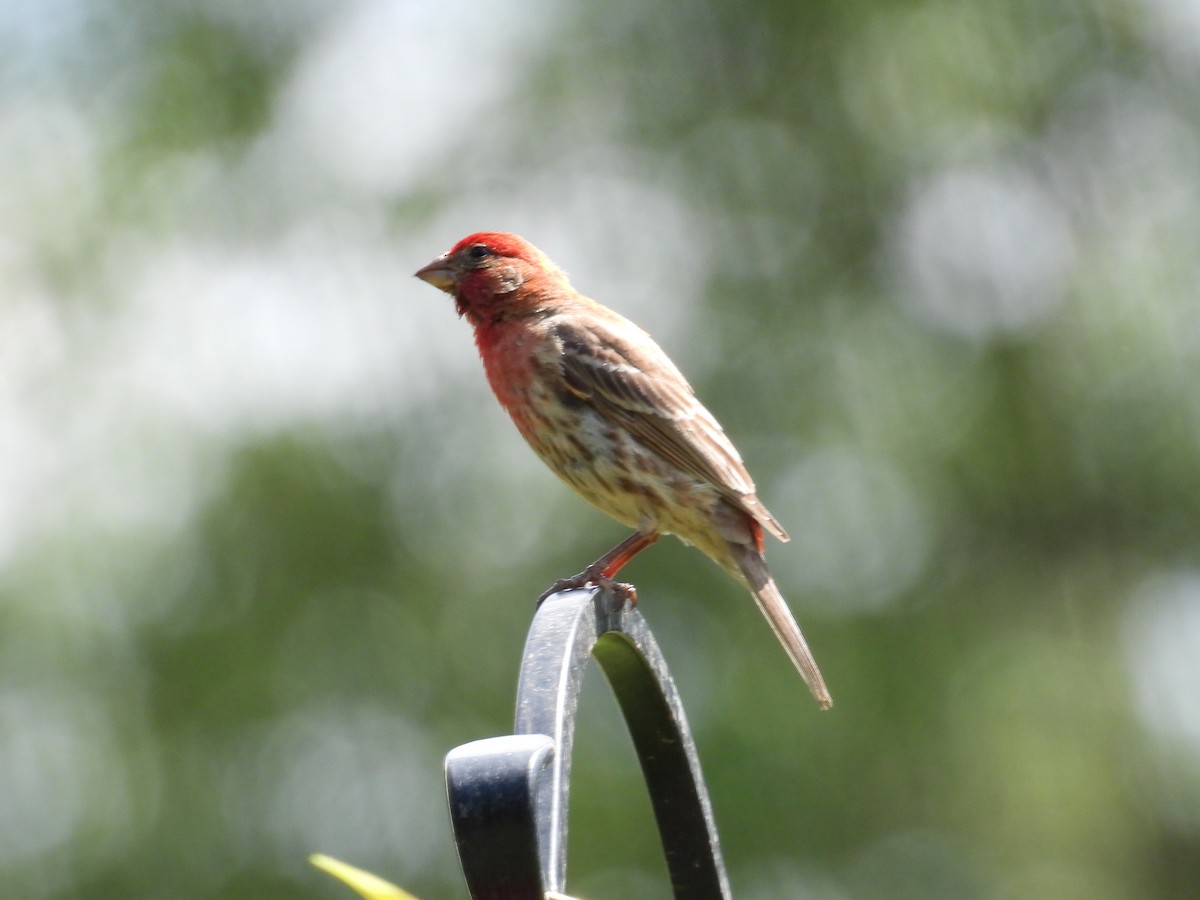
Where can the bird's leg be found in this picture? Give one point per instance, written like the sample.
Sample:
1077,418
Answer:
602,571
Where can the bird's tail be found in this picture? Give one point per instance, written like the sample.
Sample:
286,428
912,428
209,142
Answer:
758,578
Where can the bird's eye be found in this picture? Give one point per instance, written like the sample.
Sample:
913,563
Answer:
479,251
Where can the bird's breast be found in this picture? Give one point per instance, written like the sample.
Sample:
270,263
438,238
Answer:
596,456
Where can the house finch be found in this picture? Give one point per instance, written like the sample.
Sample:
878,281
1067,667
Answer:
605,408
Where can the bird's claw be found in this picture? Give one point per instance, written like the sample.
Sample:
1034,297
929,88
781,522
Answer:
563,584
622,591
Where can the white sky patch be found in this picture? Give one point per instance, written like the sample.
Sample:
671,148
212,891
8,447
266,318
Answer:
49,180
861,534
61,773
1162,646
328,321
1175,26
30,343
387,86
983,252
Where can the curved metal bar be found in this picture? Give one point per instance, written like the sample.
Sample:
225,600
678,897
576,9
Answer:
492,786
568,628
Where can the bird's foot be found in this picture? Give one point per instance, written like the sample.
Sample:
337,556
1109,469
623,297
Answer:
622,591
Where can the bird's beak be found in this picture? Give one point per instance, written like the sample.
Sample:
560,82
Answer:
440,274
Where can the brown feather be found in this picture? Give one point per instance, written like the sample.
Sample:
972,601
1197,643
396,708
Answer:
633,384
749,564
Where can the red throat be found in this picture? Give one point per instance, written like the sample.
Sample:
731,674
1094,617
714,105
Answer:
506,363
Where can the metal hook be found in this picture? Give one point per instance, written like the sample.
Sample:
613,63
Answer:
508,795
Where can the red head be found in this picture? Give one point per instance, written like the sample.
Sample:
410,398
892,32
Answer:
494,275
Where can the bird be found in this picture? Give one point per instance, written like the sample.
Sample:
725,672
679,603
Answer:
608,411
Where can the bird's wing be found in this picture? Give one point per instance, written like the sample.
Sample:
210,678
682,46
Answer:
629,380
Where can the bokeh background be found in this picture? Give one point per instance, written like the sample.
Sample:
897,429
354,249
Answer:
268,548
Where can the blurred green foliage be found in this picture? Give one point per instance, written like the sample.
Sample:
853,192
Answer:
268,550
